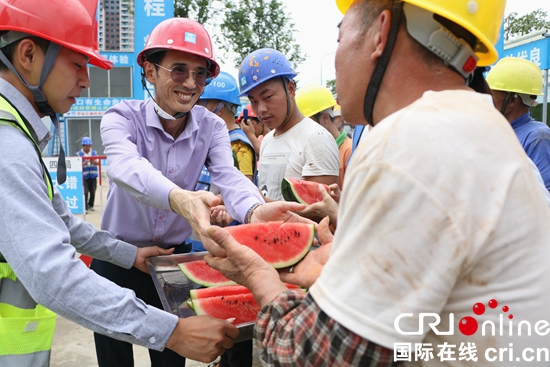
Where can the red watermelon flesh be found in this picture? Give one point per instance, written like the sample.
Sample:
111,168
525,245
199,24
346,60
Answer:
243,307
225,290
301,191
201,273
280,244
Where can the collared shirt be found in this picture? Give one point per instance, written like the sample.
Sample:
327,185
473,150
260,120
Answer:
534,136
146,163
39,238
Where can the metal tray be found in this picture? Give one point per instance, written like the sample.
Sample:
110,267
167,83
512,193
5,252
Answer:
173,287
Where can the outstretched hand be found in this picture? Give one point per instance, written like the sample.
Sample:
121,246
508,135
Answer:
306,272
195,207
243,265
327,207
219,216
145,252
279,211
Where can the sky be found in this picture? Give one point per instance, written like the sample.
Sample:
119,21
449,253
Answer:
316,32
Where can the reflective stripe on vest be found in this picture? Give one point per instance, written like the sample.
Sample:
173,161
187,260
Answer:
26,328
10,116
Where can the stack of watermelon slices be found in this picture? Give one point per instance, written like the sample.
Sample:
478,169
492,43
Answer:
224,302
280,244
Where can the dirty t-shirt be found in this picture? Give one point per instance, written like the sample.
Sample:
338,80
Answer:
307,149
441,211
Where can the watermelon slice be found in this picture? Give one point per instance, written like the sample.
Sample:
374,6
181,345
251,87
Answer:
243,307
201,273
227,290
304,192
280,244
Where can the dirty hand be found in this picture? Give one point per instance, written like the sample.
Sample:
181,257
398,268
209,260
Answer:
220,217
202,338
195,207
244,266
306,272
145,252
279,211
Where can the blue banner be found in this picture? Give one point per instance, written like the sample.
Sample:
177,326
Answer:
72,190
536,51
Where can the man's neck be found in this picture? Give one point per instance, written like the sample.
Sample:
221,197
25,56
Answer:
174,127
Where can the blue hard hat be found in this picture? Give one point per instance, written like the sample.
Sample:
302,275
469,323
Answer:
260,66
86,141
224,88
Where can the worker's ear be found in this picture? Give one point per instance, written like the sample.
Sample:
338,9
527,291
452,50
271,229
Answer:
28,60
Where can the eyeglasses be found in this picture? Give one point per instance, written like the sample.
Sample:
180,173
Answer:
179,74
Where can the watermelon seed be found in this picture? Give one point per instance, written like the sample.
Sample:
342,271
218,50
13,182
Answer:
256,238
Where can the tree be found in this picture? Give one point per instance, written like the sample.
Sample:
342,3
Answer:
200,10
331,85
515,26
251,25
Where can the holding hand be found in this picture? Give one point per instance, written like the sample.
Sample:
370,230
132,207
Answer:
202,338
306,272
145,252
327,207
243,265
279,211
220,217
195,207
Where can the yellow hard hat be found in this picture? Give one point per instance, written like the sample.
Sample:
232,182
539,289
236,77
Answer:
482,18
513,74
314,98
337,110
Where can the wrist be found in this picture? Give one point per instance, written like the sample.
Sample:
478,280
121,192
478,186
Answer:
266,287
250,211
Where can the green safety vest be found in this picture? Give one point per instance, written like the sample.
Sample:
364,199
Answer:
25,333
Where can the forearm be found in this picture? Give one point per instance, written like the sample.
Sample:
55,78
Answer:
286,342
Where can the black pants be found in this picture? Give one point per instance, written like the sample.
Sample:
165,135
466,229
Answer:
240,355
90,185
115,353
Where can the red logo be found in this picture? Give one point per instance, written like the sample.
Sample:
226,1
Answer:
468,325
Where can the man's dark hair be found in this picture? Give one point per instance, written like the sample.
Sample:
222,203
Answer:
9,50
156,57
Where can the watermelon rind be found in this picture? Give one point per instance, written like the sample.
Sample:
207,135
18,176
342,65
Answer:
288,190
289,194
205,283
257,237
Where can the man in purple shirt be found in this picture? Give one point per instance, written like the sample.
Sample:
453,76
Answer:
156,149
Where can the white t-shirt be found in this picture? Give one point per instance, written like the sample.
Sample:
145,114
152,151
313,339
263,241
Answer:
307,149
441,211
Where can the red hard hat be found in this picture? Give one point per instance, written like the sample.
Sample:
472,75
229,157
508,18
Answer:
69,23
250,113
181,34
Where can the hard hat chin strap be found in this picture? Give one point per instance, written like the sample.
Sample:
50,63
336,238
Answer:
159,111
287,117
42,103
381,65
